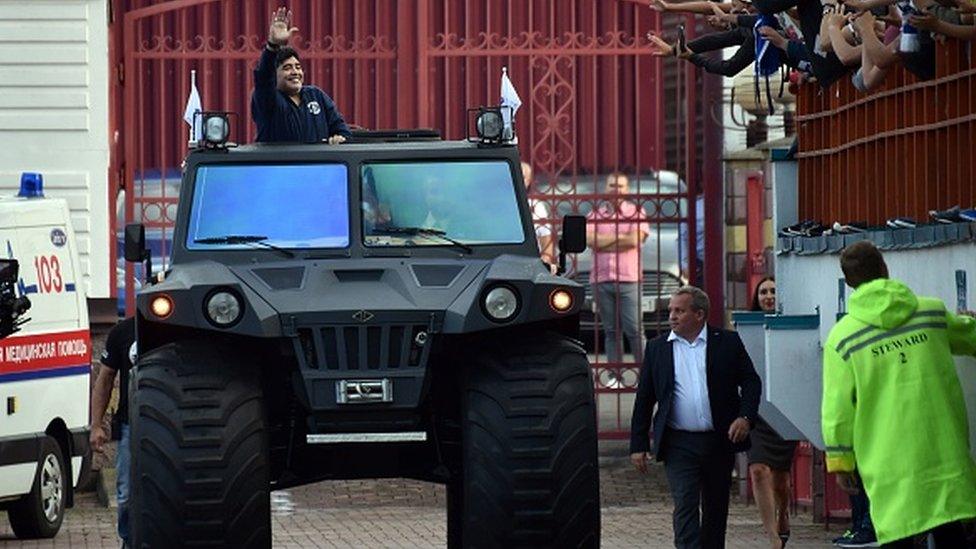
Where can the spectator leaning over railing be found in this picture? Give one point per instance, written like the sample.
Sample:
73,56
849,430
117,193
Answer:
907,38
955,21
700,7
795,53
734,22
862,41
740,34
825,65
738,30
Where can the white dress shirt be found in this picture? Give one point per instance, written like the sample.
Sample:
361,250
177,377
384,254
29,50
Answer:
690,408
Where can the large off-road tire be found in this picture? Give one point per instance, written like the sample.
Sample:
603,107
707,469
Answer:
199,450
39,514
529,471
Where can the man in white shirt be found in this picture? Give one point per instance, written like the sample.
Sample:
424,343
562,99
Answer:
540,216
695,375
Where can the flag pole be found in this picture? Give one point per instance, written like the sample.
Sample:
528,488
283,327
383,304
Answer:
193,125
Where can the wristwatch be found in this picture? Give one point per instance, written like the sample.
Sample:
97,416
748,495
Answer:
271,46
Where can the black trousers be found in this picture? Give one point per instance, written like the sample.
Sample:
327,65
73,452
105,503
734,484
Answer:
699,469
947,536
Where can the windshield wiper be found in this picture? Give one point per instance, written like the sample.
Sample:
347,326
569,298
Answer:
424,231
232,239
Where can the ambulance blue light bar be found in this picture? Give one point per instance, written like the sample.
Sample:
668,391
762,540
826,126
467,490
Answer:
31,185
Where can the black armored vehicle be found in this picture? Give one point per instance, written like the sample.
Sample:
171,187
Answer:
368,310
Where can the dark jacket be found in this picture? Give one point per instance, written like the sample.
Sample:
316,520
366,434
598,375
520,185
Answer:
279,119
728,369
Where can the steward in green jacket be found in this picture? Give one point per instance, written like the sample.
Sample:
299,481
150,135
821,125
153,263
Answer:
893,406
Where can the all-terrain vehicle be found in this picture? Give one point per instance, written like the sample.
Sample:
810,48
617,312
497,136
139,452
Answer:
367,310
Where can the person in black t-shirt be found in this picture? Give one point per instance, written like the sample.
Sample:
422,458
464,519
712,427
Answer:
117,358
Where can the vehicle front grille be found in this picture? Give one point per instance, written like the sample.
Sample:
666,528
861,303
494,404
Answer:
363,348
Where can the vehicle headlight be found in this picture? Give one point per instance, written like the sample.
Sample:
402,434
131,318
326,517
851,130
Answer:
561,300
161,306
216,128
501,303
490,125
223,308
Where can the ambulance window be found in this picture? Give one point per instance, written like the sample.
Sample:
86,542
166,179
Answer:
293,205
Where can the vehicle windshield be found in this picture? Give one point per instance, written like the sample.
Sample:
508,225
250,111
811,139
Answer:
292,205
409,203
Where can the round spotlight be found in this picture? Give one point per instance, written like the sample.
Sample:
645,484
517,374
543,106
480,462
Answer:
490,125
223,309
501,304
561,301
161,306
216,129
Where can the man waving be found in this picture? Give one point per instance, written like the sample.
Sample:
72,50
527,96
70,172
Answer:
284,109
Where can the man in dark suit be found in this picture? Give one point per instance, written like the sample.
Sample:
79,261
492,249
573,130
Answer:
707,396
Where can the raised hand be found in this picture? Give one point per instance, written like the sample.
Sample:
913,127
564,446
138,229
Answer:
774,37
658,5
925,21
659,48
836,19
720,13
281,29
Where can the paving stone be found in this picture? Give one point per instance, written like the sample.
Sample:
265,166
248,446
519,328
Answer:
410,514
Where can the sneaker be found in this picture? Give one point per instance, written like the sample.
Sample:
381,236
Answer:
803,228
788,231
846,536
814,229
861,539
901,223
849,228
946,216
968,215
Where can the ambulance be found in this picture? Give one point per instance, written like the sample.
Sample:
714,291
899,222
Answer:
45,361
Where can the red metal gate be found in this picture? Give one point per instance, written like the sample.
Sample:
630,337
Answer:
592,100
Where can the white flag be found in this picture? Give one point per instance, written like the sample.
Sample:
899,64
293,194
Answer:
193,106
510,98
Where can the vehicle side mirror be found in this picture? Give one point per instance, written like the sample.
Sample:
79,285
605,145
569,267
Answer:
135,242
573,239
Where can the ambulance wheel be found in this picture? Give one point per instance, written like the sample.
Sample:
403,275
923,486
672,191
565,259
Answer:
529,472
199,447
39,514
